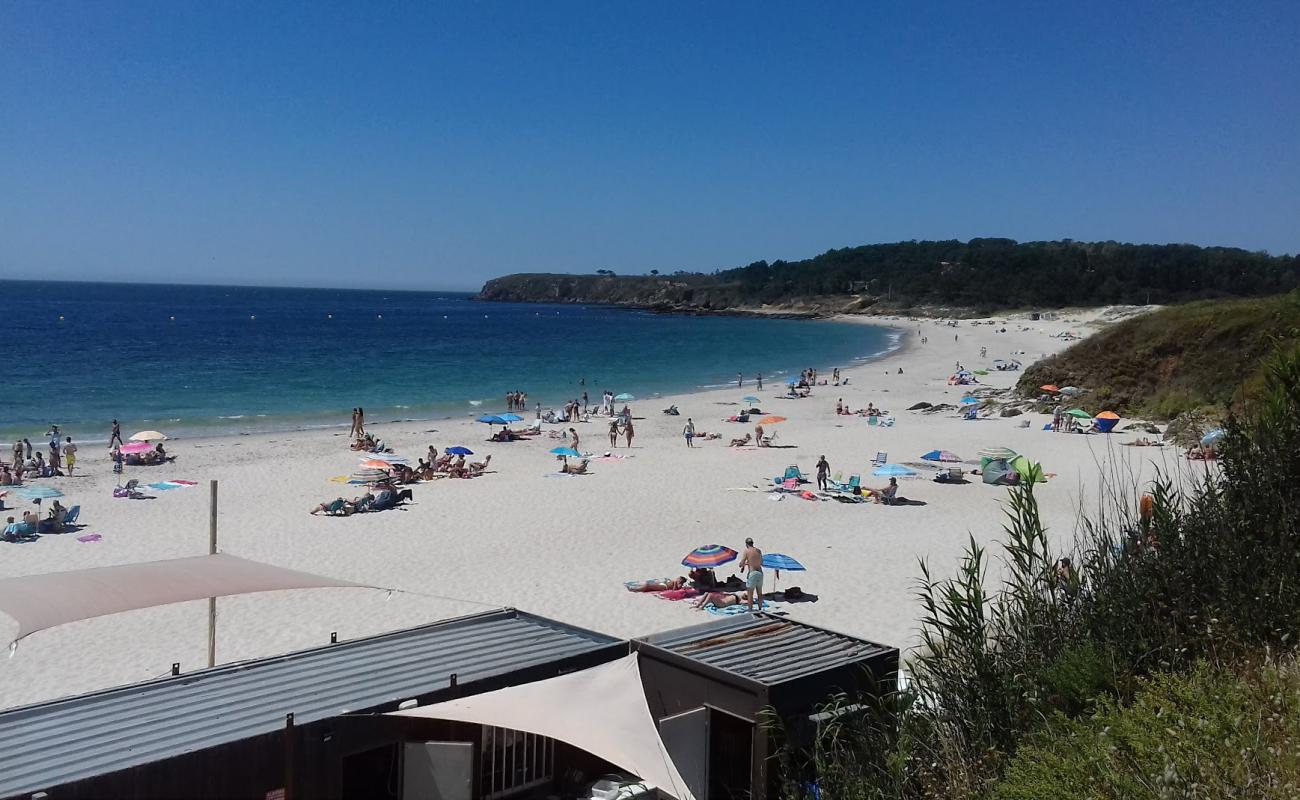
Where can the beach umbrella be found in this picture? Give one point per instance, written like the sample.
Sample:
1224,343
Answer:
374,463
1078,413
779,561
792,381
969,401
1070,390
1212,437
1108,415
771,420
457,450
388,458
493,419
148,436
567,452
709,556
624,397
508,417
136,447
368,475
942,456
37,492
998,453
1050,387
893,471
750,399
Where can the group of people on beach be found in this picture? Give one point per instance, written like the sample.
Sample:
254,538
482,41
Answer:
31,462
517,401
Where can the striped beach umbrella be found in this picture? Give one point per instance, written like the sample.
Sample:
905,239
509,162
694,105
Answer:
941,456
709,556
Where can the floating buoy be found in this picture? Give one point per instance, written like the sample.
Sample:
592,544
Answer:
173,319
252,316
379,316
60,318
329,316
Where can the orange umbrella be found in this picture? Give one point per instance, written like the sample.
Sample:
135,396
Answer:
1108,415
772,420
1051,387
375,463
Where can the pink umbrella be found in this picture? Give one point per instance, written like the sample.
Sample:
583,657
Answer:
136,447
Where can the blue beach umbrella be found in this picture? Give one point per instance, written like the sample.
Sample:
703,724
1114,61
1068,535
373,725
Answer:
968,400
941,456
750,399
508,417
893,471
457,450
493,419
779,561
567,452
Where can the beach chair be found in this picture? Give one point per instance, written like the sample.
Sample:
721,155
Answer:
71,517
791,473
972,412
768,439
881,459
855,482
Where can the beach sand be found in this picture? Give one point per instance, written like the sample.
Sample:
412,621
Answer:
563,546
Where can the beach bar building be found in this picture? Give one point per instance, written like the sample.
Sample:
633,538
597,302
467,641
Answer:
497,705
714,687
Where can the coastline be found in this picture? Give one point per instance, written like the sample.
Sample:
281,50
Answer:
562,547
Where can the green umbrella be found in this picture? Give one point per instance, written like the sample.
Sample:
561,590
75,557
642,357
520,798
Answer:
1079,413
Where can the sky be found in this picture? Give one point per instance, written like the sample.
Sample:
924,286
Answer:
436,145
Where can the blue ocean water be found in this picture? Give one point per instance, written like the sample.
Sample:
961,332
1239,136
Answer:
214,360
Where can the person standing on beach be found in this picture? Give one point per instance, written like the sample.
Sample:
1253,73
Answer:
69,454
585,404
613,433
689,432
539,410
758,436
352,432
740,380
751,564
627,429
760,381
27,448
116,436
361,421
823,473
574,444
18,453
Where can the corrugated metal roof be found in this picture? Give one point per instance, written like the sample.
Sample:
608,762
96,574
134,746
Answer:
54,743
766,649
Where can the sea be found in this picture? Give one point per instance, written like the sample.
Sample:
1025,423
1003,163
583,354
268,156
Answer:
230,360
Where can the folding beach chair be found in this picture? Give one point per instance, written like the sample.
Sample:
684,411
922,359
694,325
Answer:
881,459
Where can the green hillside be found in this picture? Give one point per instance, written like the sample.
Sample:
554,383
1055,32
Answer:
1180,358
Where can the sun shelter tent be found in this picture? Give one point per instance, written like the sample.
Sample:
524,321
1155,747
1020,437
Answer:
601,710
1030,471
1105,421
43,601
996,472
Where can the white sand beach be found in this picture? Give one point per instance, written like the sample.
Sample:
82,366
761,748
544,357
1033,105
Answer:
563,546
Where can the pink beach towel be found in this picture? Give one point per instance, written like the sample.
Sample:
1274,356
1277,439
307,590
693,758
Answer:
678,594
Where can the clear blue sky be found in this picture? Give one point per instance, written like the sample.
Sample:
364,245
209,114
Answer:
398,144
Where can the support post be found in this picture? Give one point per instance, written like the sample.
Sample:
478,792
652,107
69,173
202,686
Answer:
212,551
290,772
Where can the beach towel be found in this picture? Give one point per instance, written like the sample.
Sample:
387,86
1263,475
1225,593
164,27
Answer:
678,594
90,537
736,610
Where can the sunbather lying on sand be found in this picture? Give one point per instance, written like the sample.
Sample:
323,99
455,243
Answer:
335,507
741,442
655,585
717,600
575,469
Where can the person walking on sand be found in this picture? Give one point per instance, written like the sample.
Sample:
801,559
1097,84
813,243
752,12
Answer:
69,454
760,381
627,430
823,473
574,444
116,436
27,447
751,564
613,433
689,432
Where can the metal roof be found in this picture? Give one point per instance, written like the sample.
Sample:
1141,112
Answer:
766,649
50,744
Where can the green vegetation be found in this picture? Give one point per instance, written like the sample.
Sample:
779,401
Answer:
979,275
1176,359
1163,666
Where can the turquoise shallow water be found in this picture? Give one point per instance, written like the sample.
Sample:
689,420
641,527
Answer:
193,360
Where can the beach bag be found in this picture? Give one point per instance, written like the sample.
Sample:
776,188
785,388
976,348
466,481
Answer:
794,593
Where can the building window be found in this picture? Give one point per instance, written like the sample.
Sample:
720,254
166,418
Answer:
514,761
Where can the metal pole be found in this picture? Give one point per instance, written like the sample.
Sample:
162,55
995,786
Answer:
212,551
290,769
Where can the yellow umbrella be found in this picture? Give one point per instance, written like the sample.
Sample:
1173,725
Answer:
772,420
148,436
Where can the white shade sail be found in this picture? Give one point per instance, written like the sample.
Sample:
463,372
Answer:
38,602
601,710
